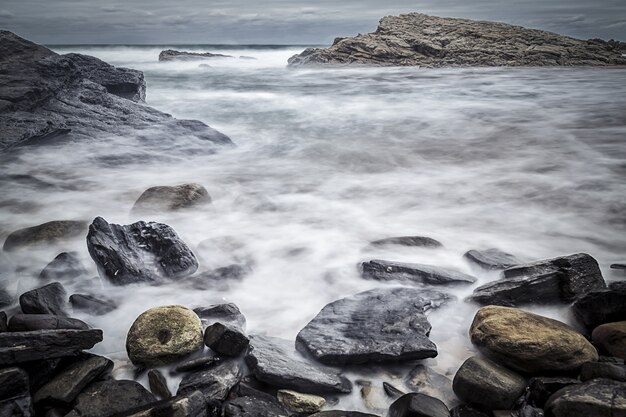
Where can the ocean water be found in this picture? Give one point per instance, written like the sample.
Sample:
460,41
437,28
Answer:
530,161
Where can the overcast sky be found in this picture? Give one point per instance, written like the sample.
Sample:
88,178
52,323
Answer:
283,21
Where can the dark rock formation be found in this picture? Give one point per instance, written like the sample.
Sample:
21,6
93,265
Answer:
418,241
225,340
491,258
611,338
140,252
418,273
595,398
593,370
49,233
158,384
600,307
107,398
65,265
49,299
254,407
192,405
540,389
18,347
618,266
373,326
15,400
214,383
28,322
418,405
340,413
391,391
91,304
166,198
196,364
227,313
274,362
416,39
3,322
559,280
172,55
48,97
467,411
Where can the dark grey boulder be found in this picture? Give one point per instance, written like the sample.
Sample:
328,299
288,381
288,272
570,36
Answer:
28,322
3,322
618,266
275,362
373,326
65,266
593,370
227,313
424,274
18,347
49,233
196,364
225,340
107,398
192,405
171,198
526,411
97,306
158,384
15,400
600,307
417,241
173,55
541,388
467,411
418,405
595,398
254,407
49,299
215,383
492,259
65,387
480,381
140,252
558,280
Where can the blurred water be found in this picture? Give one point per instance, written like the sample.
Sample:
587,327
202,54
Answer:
531,161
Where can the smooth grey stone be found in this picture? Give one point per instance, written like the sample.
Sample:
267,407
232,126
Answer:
214,383
492,258
418,273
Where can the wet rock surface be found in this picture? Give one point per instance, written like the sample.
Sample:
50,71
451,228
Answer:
107,398
158,384
595,398
491,259
192,405
417,39
15,397
418,405
611,338
225,340
373,326
418,273
28,322
254,407
540,389
214,383
227,313
600,307
49,299
171,198
49,233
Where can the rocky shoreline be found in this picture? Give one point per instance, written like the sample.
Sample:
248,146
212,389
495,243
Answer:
417,39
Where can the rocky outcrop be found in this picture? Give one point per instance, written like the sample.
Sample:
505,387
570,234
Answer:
173,55
415,273
46,97
417,39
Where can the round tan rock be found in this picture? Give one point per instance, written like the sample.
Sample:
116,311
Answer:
164,335
528,342
611,338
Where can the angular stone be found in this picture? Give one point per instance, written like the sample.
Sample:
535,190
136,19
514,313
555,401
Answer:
611,338
225,340
28,322
140,252
49,233
482,382
107,398
227,313
595,398
65,266
192,405
600,307
373,326
165,198
214,383
17,347
391,391
558,280
492,259
158,384
65,387
15,398
274,362
418,241
91,304
195,364
299,402
417,273
542,388
49,299
418,405
254,407
528,342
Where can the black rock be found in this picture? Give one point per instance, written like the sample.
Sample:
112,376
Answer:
418,273
373,326
595,398
106,398
254,407
214,383
592,370
41,371
28,322
617,286
158,384
192,405
225,340
3,322
419,241
274,362
600,307
482,382
391,391
15,398
204,362
527,411
541,388
65,387
49,233
17,347
492,258
66,265
91,304
618,266
227,313
467,411
140,252
418,405
49,299
558,280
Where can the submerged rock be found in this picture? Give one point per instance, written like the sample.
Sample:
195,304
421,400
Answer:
595,398
528,342
65,266
49,233
618,266
418,273
28,322
373,326
214,383
611,338
49,299
418,405
418,241
172,55
91,304
491,258
417,39
140,252
15,400
107,398
166,198
599,307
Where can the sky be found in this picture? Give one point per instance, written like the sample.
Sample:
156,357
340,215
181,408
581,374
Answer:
282,21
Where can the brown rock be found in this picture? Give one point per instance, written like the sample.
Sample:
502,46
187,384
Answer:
611,338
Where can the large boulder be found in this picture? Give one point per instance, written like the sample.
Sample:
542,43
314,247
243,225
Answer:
164,335
373,326
595,398
274,362
167,198
107,398
417,39
140,252
418,405
558,280
49,233
418,273
65,266
611,338
15,400
599,307
49,299
492,259
528,342
28,322
214,383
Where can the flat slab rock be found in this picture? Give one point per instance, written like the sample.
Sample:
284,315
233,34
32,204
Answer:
415,241
417,273
173,55
214,383
417,39
491,258
275,362
107,398
139,252
373,326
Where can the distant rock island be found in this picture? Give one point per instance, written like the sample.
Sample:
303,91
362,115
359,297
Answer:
417,39
173,55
